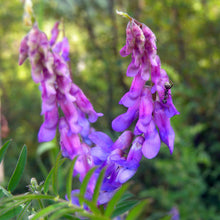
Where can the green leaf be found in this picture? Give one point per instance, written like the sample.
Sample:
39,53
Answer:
69,179
3,149
98,186
127,195
42,148
10,206
112,203
47,181
166,217
3,192
49,209
64,211
16,176
136,211
55,174
23,213
123,207
85,183
25,198
12,213
92,206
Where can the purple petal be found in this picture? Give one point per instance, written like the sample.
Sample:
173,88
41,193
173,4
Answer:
71,115
105,197
65,49
145,111
70,142
132,69
123,121
84,123
46,134
101,139
166,132
85,106
170,109
139,37
145,69
49,63
48,84
151,145
57,47
48,102
23,52
124,52
124,140
131,97
135,151
99,155
64,84
48,128
155,71
36,72
54,34
84,162
130,41
125,174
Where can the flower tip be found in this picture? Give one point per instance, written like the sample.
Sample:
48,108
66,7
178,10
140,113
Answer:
171,150
119,12
124,14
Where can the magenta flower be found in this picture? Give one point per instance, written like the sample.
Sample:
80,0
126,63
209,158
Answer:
152,106
148,102
50,68
120,165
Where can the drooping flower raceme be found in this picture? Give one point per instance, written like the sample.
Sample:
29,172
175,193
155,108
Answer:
50,68
149,105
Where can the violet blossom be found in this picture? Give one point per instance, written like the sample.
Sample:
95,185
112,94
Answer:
49,65
146,104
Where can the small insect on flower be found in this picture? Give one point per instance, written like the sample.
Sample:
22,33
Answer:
167,86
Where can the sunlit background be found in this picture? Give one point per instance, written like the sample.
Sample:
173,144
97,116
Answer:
188,39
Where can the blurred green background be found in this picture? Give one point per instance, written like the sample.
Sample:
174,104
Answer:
188,39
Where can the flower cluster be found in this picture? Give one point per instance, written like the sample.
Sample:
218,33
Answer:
50,68
151,105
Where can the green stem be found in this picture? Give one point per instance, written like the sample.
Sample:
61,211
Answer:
129,17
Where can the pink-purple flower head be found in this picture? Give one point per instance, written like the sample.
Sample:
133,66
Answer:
150,105
50,68
140,43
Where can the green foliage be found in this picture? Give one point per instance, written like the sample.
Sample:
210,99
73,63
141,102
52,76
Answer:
38,204
111,205
19,169
98,186
136,211
70,179
3,149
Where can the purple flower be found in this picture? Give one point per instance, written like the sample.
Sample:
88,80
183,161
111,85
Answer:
151,145
146,108
123,121
166,132
174,212
131,97
48,128
149,108
152,105
120,165
54,33
50,69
